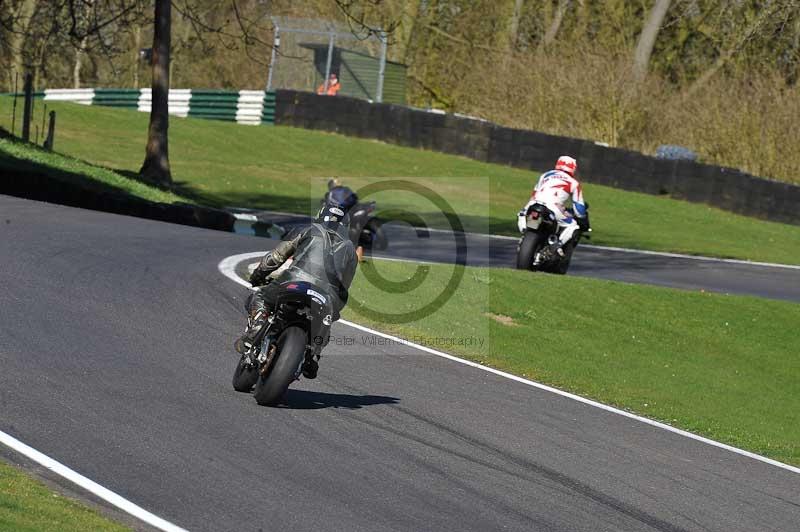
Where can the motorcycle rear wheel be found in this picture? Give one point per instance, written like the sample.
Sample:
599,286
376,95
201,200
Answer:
530,244
379,242
291,353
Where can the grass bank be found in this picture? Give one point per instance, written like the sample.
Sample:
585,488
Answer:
223,164
26,505
726,367
16,157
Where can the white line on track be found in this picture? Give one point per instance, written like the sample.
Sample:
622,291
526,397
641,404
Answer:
600,248
227,268
89,485
693,257
642,252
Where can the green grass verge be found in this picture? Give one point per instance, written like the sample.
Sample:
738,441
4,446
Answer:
221,164
19,157
725,367
26,505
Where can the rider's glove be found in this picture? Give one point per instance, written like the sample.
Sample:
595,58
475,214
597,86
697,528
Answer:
258,277
583,223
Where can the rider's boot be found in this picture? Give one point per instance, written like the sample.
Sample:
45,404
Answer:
245,345
555,246
310,368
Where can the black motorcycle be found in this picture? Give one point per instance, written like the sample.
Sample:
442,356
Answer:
365,228
536,250
297,330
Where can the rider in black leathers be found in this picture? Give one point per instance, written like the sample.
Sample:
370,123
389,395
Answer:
321,254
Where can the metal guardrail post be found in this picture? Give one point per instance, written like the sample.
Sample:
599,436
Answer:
382,68
276,45
330,60
14,109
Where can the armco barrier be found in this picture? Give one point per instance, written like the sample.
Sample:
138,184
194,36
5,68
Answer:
243,107
725,188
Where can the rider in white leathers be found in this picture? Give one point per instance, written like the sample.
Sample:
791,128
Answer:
561,193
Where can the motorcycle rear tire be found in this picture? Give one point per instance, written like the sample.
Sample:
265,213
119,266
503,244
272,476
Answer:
291,353
530,244
244,377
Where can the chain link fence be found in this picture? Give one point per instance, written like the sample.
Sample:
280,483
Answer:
307,51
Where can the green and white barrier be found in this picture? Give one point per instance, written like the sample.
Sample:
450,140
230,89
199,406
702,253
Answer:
84,96
178,101
243,107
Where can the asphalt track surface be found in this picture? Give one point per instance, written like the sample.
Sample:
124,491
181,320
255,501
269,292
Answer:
116,361
729,277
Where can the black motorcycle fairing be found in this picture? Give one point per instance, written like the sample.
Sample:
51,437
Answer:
362,209
543,211
308,306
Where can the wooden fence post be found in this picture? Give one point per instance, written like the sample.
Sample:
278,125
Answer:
28,109
51,131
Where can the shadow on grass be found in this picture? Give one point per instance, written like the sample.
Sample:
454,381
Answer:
309,400
11,165
193,194
260,200
307,205
467,222
14,169
44,181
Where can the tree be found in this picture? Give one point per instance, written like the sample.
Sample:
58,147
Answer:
647,39
513,27
156,162
555,25
777,13
80,52
19,21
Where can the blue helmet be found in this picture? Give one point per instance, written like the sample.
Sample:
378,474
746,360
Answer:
342,197
332,216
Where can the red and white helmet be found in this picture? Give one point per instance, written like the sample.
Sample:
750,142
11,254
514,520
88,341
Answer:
567,164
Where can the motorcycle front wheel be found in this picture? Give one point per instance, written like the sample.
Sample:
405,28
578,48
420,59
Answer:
245,376
291,353
563,265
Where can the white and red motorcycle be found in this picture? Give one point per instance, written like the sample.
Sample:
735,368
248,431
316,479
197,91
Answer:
536,250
